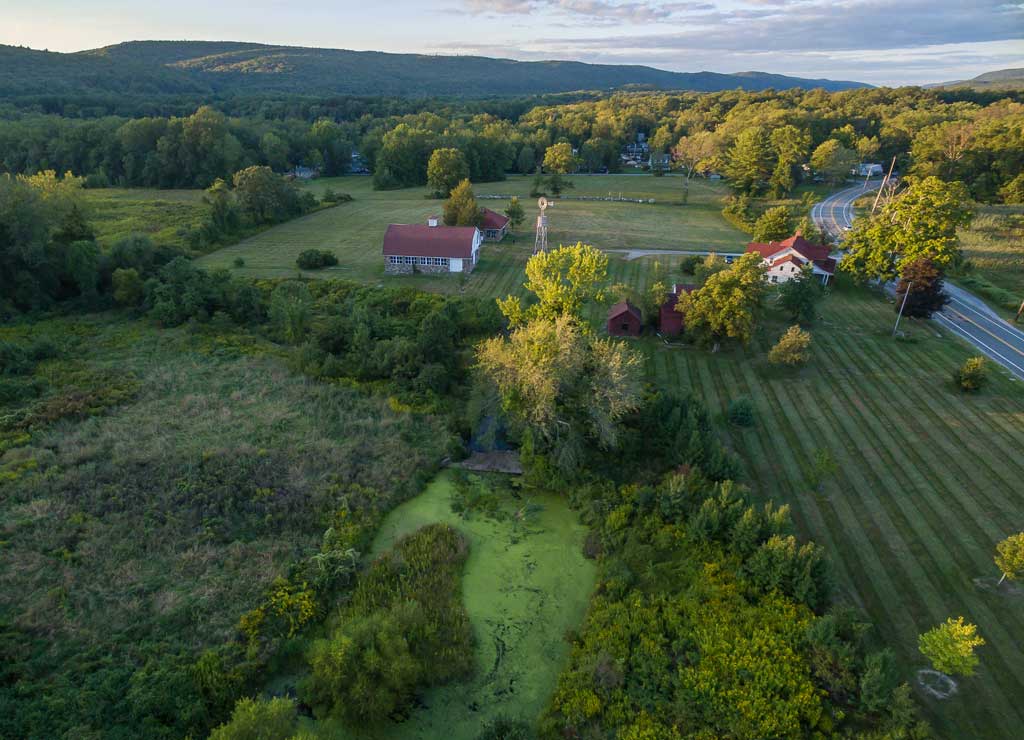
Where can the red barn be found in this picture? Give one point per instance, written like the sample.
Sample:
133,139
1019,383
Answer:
624,320
670,321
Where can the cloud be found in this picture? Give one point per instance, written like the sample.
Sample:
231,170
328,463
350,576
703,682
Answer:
588,12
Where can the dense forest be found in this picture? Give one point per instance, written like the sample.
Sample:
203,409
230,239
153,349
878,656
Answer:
758,139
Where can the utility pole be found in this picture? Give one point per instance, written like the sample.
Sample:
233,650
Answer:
882,186
902,306
1016,319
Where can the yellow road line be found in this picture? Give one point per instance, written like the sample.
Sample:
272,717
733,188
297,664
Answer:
991,334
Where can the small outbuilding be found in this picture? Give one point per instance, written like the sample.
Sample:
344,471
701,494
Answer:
670,321
493,225
625,320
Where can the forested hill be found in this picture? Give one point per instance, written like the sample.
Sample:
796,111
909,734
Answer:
177,67
1002,79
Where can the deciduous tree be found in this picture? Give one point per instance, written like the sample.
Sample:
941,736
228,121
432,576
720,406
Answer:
799,295
793,348
950,647
461,208
563,280
833,161
515,213
728,304
923,280
1010,557
773,225
748,162
445,170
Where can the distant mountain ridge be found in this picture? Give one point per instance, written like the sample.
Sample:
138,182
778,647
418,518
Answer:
176,67
1000,79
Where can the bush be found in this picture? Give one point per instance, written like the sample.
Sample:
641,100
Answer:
316,259
793,348
253,719
972,375
239,262
505,728
128,286
741,412
688,265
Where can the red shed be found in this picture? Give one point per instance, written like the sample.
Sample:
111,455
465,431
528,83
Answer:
624,320
670,321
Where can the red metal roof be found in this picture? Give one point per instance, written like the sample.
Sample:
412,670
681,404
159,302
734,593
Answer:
420,240
493,220
796,242
624,307
816,253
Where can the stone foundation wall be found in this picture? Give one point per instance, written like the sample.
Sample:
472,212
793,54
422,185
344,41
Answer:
403,269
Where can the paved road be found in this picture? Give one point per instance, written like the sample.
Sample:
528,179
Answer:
965,315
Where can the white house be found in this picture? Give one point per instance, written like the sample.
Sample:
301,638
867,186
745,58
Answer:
431,247
785,259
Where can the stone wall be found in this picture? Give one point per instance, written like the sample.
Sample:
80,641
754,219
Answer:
404,269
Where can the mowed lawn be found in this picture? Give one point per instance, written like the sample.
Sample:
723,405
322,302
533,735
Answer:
354,231
928,481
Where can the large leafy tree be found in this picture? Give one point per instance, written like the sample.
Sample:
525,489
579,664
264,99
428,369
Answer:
833,161
728,304
565,386
264,196
791,145
445,170
515,213
558,162
950,646
773,225
748,162
922,221
921,284
461,208
563,280
799,296
692,152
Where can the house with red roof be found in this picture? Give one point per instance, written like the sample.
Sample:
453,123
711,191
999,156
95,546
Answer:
493,225
430,247
625,320
670,321
786,258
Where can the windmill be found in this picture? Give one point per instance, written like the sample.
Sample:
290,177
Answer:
540,244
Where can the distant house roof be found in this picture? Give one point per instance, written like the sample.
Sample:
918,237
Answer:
671,299
622,308
493,220
789,258
816,253
421,240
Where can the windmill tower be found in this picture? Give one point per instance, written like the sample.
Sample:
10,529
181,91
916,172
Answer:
540,243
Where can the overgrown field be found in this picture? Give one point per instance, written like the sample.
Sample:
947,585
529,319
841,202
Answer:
994,244
927,481
166,216
149,497
354,231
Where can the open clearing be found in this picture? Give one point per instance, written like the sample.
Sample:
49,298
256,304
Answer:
354,231
163,215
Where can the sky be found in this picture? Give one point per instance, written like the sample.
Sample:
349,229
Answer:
875,41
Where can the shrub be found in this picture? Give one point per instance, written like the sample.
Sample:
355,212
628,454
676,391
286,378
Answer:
253,719
239,262
741,412
793,348
505,728
688,265
128,287
316,259
972,375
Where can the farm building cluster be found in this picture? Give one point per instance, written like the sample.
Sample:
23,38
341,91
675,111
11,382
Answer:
783,260
434,247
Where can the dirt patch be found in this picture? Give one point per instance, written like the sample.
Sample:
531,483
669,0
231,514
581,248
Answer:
496,461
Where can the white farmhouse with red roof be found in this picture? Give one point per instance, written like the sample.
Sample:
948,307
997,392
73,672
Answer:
786,258
430,247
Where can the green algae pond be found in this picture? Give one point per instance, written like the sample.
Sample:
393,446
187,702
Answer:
525,585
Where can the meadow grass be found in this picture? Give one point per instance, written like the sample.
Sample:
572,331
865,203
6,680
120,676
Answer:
994,245
165,216
354,231
135,538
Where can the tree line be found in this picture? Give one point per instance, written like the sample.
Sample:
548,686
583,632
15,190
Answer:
760,140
